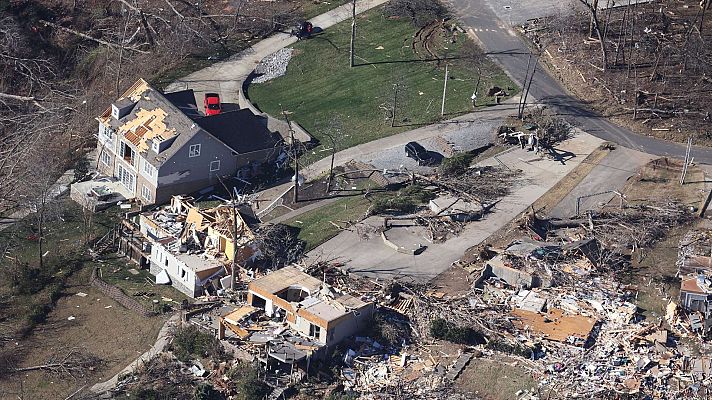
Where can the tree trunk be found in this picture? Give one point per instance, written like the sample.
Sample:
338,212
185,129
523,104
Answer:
592,23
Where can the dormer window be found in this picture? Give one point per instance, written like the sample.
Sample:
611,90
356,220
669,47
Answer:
114,111
194,150
154,146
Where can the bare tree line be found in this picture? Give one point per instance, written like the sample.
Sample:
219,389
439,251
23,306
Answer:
654,59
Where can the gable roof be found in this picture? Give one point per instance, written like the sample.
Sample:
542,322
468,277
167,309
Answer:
241,130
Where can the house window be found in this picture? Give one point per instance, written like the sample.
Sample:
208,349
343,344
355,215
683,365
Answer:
146,193
314,331
105,158
215,165
127,179
194,150
182,274
148,168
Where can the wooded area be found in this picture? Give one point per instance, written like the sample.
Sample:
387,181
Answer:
645,64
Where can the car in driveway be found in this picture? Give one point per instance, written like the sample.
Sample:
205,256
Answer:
418,153
211,101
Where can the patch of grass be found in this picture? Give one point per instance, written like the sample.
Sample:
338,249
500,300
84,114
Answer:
244,378
115,271
480,375
316,227
320,88
312,8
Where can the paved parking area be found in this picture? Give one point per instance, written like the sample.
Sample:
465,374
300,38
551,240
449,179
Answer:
372,258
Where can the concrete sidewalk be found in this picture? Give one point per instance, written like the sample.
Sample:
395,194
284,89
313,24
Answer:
227,77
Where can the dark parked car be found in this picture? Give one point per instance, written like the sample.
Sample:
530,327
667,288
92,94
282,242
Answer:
418,153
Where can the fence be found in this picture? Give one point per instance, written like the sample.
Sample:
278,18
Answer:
118,295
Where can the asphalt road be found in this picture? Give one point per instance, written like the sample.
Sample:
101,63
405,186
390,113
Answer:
511,53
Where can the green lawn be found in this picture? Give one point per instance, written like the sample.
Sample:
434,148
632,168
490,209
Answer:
316,225
321,92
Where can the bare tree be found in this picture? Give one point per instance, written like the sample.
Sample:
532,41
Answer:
592,9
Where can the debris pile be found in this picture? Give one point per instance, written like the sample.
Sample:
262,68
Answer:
273,66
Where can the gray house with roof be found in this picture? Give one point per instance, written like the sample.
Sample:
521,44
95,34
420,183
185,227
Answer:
159,144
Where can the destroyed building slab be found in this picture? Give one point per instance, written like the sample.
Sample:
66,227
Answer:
308,306
555,325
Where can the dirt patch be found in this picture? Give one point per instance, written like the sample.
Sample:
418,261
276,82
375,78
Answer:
100,326
452,282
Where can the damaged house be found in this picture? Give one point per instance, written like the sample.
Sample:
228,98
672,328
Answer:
309,306
158,144
191,248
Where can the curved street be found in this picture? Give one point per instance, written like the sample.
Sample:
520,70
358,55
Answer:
511,52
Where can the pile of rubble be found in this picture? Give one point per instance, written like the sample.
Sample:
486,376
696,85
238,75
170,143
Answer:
273,66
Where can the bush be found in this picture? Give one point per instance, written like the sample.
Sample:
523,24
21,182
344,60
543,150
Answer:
445,330
190,341
206,391
456,165
348,395
243,378
505,347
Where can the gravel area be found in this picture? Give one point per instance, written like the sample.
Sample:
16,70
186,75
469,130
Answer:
468,136
273,66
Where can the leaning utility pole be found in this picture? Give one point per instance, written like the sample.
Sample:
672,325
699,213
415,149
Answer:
524,84
353,32
395,99
526,93
687,160
442,107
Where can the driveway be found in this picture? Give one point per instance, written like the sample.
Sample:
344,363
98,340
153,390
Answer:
372,258
511,52
610,174
465,133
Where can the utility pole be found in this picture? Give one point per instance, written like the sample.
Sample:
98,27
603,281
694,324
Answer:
526,93
395,99
442,107
331,168
294,154
524,84
233,278
353,32
687,160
